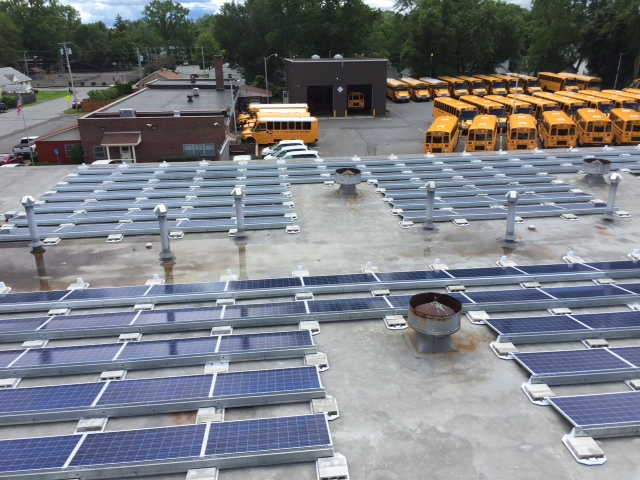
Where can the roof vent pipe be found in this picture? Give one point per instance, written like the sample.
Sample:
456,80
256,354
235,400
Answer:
315,57
196,92
190,98
176,113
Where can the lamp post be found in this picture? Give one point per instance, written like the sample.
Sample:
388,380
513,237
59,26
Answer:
266,81
431,66
615,83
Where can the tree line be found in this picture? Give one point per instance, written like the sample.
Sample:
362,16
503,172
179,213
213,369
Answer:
429,37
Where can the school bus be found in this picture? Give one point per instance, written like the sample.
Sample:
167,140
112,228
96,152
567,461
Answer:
487,107
619,101
539,104
256,107
268,130
556,129
494,85
512,105
442,135
475,86
465,113
267,112
512,84
355,100
585,82
569,105
635,83
457,87
626,126
529,84
592,101
593,127
418,90
437,88
521,132
482,134
635,91
397,91
556,82
635,96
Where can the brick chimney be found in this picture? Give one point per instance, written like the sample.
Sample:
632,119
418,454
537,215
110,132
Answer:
219,73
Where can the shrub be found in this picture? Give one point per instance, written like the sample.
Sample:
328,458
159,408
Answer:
35,90
104,84
112,92
10,101
76,154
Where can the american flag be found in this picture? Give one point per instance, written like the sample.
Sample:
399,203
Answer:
19,106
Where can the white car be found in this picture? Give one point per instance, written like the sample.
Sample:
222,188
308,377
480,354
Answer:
301,154
284,143
289,148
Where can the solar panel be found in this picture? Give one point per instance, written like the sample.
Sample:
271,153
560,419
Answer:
316,281
265,341
412,276
36,453
8,356
116,292
48,398
63,322
602,410
268,434
263,381
264,284
569,361
145,445
346,304
33,297
632,287
156,389
178,315
400,301
604,321
484,272
21,324
585,292
40,357
187,288
168,348
630,354
547,324
620,265
502,296
557,268
264,310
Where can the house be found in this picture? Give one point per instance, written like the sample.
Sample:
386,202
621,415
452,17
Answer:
54,148
162,74
13,82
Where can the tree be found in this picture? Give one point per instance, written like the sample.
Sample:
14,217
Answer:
170,21
10,41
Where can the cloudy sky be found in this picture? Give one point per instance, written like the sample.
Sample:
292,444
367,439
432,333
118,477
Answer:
106,10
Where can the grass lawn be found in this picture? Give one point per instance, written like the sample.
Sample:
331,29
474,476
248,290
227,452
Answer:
44,95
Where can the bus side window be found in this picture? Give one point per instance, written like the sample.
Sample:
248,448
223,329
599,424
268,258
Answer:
261,127
269,125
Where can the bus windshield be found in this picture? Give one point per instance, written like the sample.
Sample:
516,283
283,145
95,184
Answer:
527,110
498,84
467,115
533,83
570,82
498,112
478,84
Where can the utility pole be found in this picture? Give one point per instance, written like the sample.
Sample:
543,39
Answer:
139,66
26,66
73,87
204,67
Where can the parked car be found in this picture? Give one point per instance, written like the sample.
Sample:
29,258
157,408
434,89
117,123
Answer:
77,104
26,147
3,107
283,150
283,143
301,155
11,159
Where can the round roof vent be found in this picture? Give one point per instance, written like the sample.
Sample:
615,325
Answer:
434,317
315,57
338,56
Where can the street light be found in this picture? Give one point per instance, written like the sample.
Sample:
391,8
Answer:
266,81
431,66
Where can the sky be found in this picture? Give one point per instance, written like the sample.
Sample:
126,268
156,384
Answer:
106,10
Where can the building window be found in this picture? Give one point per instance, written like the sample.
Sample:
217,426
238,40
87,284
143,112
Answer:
99,153
67,149
199,149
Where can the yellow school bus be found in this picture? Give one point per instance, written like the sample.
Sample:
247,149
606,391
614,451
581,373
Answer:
397,91
487,107
494,85
539,104
281,112
475,86
592,101
437,88
619,101
556,129
529,84
442,135
269,130
635,91
418,90
482,134
450,107
457,87
593,127
522,132
568,105
511,83
626,126
512,105
556,82
254,108
635,83
586,82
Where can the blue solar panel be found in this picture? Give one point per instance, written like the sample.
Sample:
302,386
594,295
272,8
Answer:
48,398
40,357
503,296
140,446
339,279
556,268
64,322
268,434
178,315
630,354
620,265
601,410
603,321
569,361
99,293
399,301
585,292
632,287
412,276
36,453
21,324
264,284
263,381
34,297
156,389
547,324
264,310
8,356
187,288
484,272
265,341
168,348
347,304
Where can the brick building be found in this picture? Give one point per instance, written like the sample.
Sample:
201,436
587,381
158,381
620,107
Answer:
55,147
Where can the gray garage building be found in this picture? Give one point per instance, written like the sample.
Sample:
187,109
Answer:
338,86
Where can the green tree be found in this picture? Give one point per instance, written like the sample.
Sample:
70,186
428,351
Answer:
171,23
11,47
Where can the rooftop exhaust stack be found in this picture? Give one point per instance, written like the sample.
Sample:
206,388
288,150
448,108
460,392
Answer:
434,317
196,92
596,167
219,73
348,178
